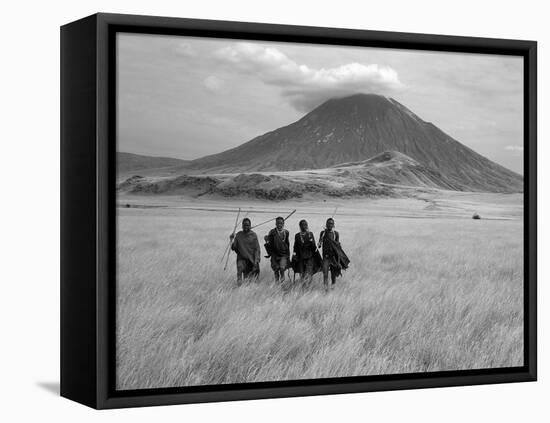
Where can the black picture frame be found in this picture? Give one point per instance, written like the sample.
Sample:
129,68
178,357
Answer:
88,169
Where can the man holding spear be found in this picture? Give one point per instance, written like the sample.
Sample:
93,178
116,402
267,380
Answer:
245,244
277,246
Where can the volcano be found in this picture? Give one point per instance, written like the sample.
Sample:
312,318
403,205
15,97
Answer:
358,128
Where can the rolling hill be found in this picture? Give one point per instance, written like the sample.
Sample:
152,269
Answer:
389,174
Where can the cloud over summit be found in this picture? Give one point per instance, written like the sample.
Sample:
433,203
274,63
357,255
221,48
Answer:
303,86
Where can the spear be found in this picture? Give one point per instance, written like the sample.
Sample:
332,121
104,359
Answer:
229,245
293,211
232,238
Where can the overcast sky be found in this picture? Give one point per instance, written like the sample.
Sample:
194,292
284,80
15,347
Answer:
187,97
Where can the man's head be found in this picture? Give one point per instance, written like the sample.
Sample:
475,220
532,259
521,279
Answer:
330,223
303,225
280,223
246,224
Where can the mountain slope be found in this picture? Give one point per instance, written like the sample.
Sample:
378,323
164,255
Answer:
394,168
357,128
128,162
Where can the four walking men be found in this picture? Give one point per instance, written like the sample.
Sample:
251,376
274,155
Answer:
306,259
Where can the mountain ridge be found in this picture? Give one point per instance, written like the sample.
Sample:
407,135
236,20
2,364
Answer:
130,162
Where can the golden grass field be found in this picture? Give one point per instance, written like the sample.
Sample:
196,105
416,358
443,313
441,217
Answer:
428,289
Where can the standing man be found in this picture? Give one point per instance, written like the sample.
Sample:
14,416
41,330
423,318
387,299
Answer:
306,259
277,246
245,244
334,258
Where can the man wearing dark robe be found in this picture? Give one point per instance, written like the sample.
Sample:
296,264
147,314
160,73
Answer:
306,259
334,258
245,244
278,247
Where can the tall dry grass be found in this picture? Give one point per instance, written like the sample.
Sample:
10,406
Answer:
420,295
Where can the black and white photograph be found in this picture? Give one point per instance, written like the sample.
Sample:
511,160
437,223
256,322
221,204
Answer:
292,211
280,212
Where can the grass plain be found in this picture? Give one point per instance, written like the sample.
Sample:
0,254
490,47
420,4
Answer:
428,289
